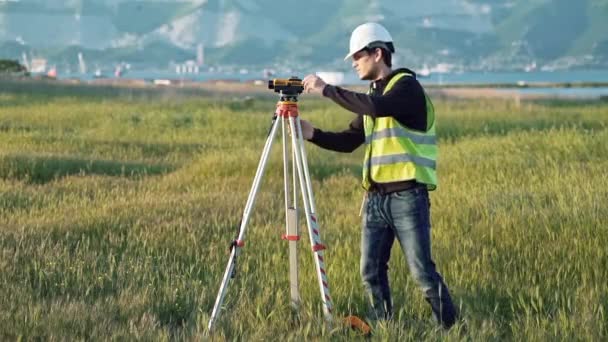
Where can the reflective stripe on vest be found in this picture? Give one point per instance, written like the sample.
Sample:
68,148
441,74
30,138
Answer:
396,153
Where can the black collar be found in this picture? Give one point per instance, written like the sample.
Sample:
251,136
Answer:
380,84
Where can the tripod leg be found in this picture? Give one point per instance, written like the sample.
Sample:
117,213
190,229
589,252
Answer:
291,213
245,219
311,219
301,149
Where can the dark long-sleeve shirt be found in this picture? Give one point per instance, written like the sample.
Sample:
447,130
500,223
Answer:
405,101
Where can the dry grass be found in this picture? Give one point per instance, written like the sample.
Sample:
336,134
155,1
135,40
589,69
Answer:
116,212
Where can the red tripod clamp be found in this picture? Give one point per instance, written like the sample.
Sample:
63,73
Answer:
290,237
287,109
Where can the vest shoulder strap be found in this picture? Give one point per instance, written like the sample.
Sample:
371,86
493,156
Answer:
394,80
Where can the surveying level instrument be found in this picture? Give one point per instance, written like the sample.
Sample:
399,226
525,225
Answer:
291,86
287,112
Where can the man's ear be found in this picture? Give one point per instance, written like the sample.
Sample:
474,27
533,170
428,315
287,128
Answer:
378,54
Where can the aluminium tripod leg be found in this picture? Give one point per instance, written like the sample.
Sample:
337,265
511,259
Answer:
311,219
245,219
291,217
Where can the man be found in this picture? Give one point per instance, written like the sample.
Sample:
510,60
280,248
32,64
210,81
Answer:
395,120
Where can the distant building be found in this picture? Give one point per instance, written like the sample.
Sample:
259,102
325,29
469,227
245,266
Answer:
38,65
188,67
268,73
162,82
82,64
25,61
121,69
200,55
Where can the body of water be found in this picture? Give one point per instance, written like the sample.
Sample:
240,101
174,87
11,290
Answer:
474,77
562,76
460,78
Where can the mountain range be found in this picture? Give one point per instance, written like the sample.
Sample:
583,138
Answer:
473,34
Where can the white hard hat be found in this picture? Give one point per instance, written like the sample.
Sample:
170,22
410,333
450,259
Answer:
368,33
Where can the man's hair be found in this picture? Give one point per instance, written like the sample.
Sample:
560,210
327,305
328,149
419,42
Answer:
386,54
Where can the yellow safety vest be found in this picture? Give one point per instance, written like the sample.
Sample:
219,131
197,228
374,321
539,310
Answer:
395,153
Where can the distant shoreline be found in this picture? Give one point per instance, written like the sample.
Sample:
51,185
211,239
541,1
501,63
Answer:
259,88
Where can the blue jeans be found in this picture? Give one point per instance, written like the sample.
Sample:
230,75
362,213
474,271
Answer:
404,215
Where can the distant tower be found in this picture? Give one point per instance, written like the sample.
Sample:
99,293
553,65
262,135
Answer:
200,55
81,63
25,62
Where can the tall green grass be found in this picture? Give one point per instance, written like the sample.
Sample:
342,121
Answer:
116,212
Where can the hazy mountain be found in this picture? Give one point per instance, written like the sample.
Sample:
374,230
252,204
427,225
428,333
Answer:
474,33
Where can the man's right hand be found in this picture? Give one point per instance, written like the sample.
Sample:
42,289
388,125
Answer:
307,129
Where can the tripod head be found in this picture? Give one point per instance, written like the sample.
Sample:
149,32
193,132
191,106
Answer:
290,87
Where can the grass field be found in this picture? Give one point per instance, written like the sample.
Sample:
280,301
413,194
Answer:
116,212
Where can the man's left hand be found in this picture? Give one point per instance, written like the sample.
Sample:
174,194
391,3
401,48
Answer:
313,84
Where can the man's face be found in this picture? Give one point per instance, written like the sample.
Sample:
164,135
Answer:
366,64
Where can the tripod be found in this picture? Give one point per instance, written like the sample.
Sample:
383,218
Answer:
287,111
